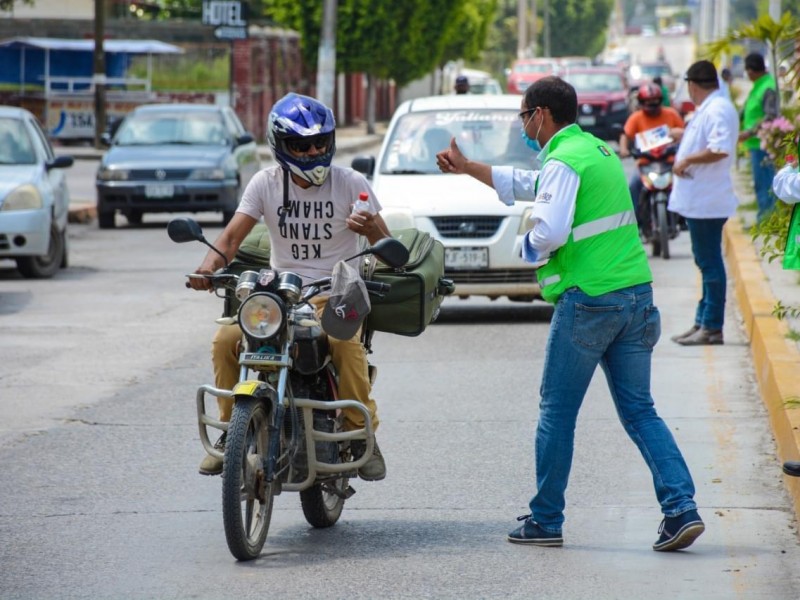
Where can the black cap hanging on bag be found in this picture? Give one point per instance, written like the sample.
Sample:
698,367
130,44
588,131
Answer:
348,303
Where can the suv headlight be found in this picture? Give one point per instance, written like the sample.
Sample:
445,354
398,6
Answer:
262,315
106,174
25,197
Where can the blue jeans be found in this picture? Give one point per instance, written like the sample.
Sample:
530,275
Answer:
617,331
763,174
706,236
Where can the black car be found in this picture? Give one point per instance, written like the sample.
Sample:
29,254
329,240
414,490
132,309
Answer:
175,158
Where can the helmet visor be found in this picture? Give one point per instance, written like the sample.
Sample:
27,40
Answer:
301,145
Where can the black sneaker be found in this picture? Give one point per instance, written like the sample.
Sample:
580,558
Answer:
531,533
677,533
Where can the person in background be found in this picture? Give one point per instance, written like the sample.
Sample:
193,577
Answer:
786,186
657,80
462,85
651,114
725,83
702,192
595,270
761,105
302,135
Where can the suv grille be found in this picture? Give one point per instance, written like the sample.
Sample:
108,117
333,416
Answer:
467,227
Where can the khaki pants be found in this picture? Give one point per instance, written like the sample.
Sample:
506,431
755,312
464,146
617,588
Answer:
348,356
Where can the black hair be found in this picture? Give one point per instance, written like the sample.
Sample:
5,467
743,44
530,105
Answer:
755,62
557,95
704,74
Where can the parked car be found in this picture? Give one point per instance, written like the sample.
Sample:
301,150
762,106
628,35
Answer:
34,200
603,104
525,71
175,158
482,236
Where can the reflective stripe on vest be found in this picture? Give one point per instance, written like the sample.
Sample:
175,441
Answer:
598,226
592,228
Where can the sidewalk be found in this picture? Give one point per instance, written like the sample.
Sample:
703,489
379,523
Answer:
353,138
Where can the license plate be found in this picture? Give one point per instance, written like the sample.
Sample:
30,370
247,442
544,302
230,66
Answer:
466,258
159,190
586,120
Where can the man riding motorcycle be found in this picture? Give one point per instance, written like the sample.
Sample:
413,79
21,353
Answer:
651,114
306,204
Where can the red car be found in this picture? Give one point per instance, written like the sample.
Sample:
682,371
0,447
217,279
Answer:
527,70
602,100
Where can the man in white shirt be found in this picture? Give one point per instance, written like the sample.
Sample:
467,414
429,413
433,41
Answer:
703,194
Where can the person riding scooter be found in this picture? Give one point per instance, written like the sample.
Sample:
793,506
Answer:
650,116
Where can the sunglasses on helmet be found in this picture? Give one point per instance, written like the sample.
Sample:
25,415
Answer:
303,145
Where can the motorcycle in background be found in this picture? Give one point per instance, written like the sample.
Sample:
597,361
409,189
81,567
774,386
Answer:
285,432
660,225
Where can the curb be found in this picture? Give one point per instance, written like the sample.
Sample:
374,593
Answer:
776,360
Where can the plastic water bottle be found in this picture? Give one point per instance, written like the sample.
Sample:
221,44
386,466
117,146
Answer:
362,204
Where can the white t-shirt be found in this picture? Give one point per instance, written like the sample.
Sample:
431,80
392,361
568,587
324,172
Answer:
708,191
314,236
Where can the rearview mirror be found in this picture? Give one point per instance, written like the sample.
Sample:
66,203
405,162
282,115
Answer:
391,252
181,229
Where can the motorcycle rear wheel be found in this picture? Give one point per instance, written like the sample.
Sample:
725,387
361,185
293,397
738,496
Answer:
246,500
663,229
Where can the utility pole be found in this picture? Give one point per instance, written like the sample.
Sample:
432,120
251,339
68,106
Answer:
534,22
775,9
522,28
99,71
326,61
547,28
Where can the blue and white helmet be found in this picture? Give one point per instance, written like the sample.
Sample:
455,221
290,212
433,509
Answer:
301,119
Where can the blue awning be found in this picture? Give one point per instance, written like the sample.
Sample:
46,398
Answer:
110,46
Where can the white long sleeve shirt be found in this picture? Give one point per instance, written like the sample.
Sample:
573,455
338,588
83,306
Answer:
786,185
553,207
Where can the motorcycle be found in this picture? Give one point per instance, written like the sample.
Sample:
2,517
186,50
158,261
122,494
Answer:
285,432
660,224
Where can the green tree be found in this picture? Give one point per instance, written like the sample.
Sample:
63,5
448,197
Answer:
9,4
578,27
386,39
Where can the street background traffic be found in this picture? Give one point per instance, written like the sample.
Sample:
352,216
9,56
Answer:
101,498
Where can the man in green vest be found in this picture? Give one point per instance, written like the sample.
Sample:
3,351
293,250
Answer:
594,269
761,105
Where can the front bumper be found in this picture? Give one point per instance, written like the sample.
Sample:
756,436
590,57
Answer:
24,233
187,196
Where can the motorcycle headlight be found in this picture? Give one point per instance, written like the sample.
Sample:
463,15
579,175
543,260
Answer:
106,174
262,315
25,197
661,181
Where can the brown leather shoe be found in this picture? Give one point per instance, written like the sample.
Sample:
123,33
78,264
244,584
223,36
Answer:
680,336
703,337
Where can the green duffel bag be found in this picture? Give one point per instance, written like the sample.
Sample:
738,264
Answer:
417,290
253,254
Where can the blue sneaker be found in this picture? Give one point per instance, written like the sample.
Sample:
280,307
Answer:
677,533
531,533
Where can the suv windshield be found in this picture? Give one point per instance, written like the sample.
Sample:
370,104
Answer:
489,136
172,128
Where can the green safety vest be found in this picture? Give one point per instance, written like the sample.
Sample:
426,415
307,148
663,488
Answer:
753,111
791,254
603,252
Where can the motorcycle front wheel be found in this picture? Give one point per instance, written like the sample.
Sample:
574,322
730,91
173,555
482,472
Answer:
323,502
663,229
246,498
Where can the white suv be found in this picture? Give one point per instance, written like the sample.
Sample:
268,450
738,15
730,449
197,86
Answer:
481,235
